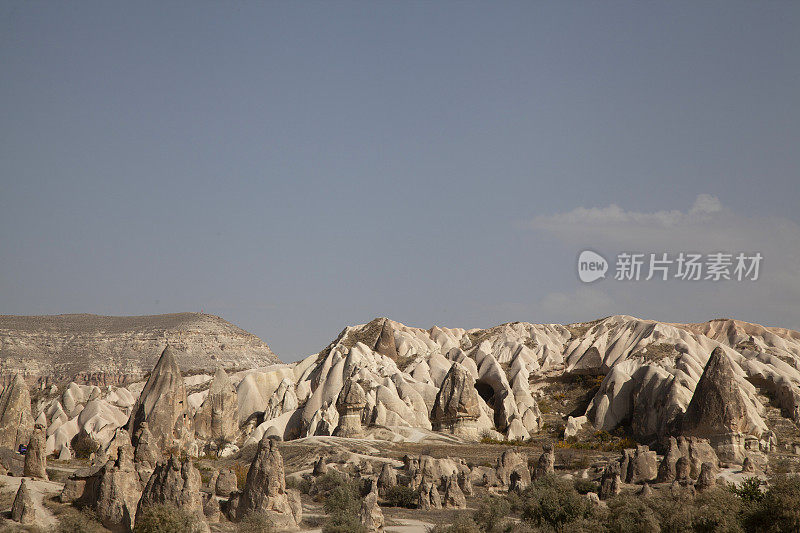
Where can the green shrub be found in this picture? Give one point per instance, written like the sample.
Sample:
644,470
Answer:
492,515
779,509
553,502
166,519
675,512
255,523
401,496
71,520
462,524
328,481
585,486
343,499
718,511
748,490
631,514
84,445
301,484
343,523
241,474
342,503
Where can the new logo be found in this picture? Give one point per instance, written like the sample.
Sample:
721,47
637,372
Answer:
591,266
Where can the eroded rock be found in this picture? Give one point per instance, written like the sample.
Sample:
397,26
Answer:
16,420
265,488
175,483
35,457
456,409
23,510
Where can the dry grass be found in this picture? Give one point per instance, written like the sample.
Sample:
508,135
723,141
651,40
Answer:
655,352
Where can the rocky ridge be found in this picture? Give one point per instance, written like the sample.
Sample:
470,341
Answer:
112,350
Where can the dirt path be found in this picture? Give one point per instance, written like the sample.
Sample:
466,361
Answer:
404,525
39,489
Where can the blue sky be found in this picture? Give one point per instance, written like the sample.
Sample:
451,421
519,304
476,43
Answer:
295,167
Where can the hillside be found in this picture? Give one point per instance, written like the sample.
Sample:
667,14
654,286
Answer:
117,349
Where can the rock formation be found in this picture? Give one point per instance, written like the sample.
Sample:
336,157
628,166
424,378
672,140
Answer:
226,483
465,482
16,421
265,488
682,470
106,350
429,496
174,483
387,479
35,457
720,410
23,509
147,451
119,492
371,516
162,403
512,463
453,496
546,464
610,482
642,466
456,409
350,405
320,467
666,469
706,479
218,416
211,508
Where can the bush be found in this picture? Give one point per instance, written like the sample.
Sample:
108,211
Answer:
70,520
779,509
492,515
241,474
342,502
343,523
255,523
553,502
585,486
675,512
748,490
462,524
301,484
401,496
84,445
631,514
331,479
345,498
717,511
166,519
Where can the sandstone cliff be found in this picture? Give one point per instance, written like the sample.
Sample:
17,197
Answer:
107,350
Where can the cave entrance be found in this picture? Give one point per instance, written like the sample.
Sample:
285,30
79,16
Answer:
486,392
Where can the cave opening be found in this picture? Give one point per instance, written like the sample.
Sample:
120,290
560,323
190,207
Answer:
486,392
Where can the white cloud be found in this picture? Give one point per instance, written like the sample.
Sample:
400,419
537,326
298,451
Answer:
707,226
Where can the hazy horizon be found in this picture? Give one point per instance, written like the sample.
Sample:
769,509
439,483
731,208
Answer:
295,168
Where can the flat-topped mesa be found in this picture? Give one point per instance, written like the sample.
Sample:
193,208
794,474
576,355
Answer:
16,420
115,350
350,405
162,403
456,409
720,411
